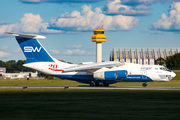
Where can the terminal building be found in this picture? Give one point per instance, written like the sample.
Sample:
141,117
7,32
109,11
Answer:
141,56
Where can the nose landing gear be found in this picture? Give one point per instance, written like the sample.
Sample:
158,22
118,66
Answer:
144,84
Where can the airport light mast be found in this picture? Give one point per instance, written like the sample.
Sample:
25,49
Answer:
99,37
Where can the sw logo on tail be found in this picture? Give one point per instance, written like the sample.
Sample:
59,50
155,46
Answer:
31,49
95,74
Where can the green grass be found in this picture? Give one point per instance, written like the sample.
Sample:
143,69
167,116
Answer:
82,104
38,82
177,74
35,103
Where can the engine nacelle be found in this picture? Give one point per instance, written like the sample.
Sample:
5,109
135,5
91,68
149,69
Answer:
110,75
121,74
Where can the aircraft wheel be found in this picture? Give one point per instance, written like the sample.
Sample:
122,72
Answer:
101,84
92,84
144,84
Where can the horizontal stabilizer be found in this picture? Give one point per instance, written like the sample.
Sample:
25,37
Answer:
27,35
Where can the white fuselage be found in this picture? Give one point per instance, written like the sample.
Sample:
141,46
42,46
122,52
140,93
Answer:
136,72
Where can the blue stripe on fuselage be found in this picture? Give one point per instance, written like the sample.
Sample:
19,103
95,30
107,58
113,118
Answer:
137,78
130,78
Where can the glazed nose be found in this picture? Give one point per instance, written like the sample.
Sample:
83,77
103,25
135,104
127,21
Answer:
173,75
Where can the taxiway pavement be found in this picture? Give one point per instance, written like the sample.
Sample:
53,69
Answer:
81,87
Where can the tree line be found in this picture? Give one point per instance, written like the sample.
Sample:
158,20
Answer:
13,66
171,62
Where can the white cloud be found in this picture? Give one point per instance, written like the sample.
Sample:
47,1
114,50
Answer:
132,2
55,52
171,23
4,23
158,33
116,7
18,50
83,1
90,20
77,52
4,47
142,7
75,22
4,54
73,46
59,1
29,23
30,0
71,52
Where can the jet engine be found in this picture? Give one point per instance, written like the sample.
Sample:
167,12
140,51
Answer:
110,75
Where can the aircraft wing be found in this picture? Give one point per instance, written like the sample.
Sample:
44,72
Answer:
93,66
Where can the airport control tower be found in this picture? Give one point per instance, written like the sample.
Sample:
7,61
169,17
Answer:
99,37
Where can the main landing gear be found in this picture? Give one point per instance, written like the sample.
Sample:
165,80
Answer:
100,84
92,84
144,84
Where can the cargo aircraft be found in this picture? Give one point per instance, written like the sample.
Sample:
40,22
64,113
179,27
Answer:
95,74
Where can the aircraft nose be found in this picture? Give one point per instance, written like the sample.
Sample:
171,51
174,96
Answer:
173,75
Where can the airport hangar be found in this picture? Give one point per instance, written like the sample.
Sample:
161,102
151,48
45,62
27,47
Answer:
143,56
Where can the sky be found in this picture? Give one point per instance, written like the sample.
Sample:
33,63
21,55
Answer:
68,26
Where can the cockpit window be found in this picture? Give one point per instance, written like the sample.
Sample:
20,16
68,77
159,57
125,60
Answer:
162,68
165,69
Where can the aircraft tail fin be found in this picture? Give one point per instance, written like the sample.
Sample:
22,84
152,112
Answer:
32,48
